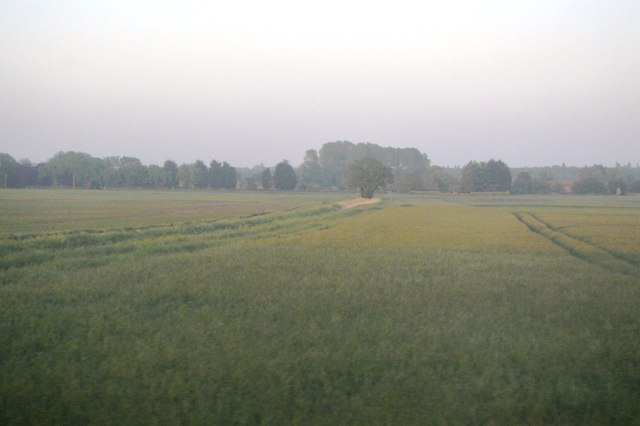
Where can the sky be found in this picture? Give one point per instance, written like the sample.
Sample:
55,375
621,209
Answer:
533,83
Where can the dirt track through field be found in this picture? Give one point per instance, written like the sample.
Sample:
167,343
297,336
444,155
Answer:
358,202
102,245
578,247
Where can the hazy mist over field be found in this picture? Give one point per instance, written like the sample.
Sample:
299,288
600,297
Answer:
532,83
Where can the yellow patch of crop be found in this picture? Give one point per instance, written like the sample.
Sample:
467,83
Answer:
615,230
433,225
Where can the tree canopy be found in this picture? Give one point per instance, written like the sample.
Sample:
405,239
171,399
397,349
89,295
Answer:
8,170
485,177
327,168
368,175
284,177
266,179
525,184
408,165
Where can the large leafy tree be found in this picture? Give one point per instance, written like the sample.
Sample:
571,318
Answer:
8,170
485,177
311,170
368,175
334,159
438,179
200,174
157,176
215,175
171,172
76,169
126,171
114,175
497,176
523,184
266,178
229,176
408,165
471,177
284,177
185,176
589,185
222,175
27,174
135,174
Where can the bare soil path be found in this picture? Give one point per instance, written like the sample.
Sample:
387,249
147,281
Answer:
358,202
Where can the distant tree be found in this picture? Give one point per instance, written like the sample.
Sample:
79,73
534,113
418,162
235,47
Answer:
485,177
368,175
410,167
589,185
559,188
497,176
125,171
114,176
540,187
216,177
597,171
76,169
284,177
618,181
133,172
8,170
99,171
407,181
230,176
334,159
44,177
171,172
524,184
310,170
471,177
157,176
185,176
251,184
200,175
266,178
411,159
437,179
27,174
222,175
546,175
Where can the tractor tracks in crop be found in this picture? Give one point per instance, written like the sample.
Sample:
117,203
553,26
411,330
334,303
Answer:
94,247
579,247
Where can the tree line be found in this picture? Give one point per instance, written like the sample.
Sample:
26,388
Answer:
323,169
80,170
326,168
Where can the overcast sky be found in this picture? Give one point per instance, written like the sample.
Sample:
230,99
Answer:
529,82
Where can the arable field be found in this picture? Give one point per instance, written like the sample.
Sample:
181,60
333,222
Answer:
240,308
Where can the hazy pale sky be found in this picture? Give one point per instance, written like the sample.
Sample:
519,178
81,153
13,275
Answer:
529,82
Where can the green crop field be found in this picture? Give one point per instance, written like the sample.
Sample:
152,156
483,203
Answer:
247,308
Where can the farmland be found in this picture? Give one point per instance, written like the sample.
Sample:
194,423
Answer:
274,308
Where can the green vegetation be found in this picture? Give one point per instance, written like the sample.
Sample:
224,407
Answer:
492,176
524,184
328,168
284,177
368,175
223,308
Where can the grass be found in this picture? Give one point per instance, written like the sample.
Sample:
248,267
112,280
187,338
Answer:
419,310
28,211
